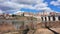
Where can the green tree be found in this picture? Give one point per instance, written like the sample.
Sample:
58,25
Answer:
13,15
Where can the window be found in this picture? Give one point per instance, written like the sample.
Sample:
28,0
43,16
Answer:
42,18
59,17
45,19
49,18
53,18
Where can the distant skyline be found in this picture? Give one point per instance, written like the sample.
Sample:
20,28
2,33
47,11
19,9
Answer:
13,6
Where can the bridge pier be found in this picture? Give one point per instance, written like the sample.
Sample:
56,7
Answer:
49,18
56,19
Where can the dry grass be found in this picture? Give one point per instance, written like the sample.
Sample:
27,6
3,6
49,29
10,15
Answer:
54,26
6,27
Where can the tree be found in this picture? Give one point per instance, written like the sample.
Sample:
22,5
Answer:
13,15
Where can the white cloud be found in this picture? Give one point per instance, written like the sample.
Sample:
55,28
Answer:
41,6
14,5
1,12
18,12
8,5
49,10
28,1
55,3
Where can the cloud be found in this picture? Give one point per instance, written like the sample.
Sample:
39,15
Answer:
49,10
18,12
55,3
1,12
12,6
28,1
16,5
41,6
9,5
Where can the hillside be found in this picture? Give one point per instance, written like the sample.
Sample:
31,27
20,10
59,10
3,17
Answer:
22,18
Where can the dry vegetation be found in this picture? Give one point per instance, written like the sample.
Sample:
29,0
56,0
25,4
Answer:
31,28
4,27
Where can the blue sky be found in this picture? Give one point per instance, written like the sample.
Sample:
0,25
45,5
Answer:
13,6
52,6
55,8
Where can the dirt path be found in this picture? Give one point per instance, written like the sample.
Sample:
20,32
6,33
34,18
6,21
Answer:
47,31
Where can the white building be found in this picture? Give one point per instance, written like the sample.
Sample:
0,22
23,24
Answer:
19,12
28,14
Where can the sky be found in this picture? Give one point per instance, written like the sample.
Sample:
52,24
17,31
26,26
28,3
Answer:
14,6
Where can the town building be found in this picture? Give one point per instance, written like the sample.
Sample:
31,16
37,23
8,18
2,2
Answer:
28,14
53,16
